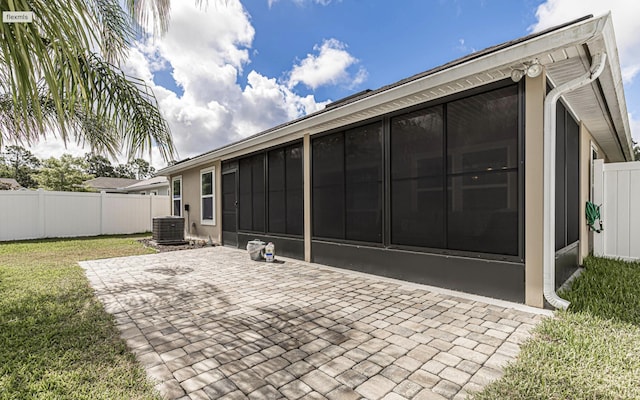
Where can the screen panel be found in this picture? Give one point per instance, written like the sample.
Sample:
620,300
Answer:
417,194
363,178
328,186
277,203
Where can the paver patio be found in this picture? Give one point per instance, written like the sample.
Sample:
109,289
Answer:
210,323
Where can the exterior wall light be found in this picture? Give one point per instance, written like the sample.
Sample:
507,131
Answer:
530,69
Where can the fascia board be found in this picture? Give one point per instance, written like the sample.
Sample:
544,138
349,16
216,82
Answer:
612,85
145,187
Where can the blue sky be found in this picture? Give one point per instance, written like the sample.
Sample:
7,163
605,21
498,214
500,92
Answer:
233,68
391,43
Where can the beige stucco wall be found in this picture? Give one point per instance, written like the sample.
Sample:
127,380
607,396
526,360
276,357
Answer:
533,191
194,229
586,142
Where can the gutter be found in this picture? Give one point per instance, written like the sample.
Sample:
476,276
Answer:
549,217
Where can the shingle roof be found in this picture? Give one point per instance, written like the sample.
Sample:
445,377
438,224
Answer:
103,183
12,183
155,181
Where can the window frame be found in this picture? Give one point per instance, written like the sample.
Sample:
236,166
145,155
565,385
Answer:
210,170
177,178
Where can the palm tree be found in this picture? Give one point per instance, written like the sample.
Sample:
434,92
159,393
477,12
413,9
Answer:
60,74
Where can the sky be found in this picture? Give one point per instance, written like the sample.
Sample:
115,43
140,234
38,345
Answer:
231,68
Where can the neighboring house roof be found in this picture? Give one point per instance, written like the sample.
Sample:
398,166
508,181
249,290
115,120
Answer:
11,183
565,51
109,184
154,183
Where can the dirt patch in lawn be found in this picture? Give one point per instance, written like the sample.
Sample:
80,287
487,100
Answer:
188,245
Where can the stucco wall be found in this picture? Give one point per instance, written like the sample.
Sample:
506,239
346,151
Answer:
586,142
194,228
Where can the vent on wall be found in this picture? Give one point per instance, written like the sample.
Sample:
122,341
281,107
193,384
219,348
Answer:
168,230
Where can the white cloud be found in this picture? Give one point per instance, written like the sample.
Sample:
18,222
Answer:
303,2
463,48
625,19
359,78
207,49
329,66
50,147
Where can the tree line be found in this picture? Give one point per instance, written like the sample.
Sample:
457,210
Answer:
66,173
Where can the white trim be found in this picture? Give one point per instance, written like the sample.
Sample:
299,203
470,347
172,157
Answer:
549,176
173,180
592,149
212,221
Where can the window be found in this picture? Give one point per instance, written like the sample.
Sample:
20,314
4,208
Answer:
207,185
176,185
347,184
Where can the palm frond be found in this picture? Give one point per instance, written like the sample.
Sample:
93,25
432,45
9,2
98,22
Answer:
86,129
129,106
151,15
55,81
116,28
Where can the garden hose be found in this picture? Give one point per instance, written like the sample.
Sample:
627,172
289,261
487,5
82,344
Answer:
592,212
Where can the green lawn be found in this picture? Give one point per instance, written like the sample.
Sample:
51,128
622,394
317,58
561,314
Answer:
591,351
56,340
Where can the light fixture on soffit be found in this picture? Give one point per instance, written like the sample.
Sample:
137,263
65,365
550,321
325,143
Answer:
530,69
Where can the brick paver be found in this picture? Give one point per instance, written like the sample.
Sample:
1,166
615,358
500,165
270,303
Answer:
210,323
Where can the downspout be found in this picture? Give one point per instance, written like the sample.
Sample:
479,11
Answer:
549,217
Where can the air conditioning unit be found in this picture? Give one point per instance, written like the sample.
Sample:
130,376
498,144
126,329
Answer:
168,230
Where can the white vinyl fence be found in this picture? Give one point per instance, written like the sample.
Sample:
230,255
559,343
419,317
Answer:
616,187
41,214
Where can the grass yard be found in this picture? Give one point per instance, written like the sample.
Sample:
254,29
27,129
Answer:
591,351
56,340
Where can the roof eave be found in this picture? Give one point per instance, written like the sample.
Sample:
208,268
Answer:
504,58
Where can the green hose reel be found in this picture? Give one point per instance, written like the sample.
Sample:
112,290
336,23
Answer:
592,212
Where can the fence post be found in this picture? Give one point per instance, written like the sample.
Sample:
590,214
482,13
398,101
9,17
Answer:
102,212
42,228
151,201
598,199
